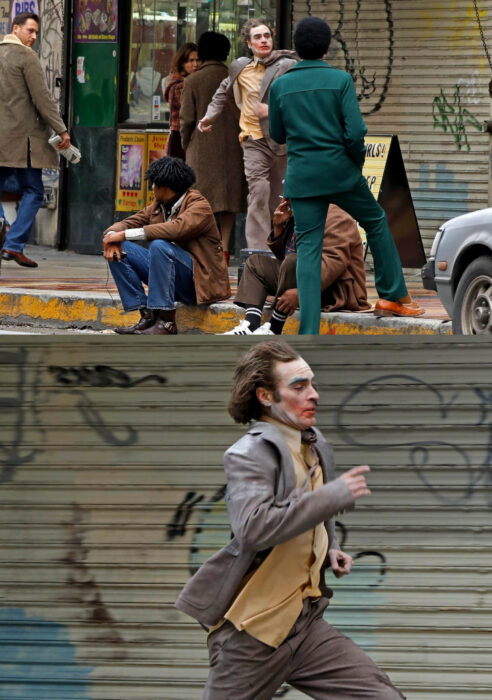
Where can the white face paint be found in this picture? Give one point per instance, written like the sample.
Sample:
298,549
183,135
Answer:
296,395
261,41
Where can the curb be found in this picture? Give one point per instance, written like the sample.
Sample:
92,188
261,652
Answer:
92,310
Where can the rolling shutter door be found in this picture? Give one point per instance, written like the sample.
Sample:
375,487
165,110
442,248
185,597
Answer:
111,494
421,73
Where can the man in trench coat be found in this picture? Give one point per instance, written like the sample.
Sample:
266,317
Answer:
263,595
28,116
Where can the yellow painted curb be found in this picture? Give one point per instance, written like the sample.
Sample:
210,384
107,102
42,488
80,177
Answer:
215,319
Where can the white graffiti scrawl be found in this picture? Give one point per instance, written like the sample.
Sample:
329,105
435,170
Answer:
51,54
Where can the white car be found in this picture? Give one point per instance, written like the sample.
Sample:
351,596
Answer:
460,270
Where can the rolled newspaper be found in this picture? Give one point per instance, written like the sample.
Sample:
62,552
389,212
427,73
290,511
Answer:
72,154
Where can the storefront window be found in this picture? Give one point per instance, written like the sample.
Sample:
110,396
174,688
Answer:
159,28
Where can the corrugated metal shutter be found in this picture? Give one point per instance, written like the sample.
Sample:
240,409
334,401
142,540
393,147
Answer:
421,73
110,494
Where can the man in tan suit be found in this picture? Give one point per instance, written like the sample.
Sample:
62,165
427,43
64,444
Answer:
263,595
246,89
28,115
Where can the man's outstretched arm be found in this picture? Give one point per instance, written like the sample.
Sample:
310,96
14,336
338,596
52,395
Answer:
215,106
259,521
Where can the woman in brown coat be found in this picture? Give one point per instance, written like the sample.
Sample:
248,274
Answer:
217,157
185,62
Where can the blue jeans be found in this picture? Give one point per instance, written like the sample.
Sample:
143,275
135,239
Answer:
166,268
31,186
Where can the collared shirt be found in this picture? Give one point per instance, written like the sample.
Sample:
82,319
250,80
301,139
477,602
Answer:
138,234
271,599
249,81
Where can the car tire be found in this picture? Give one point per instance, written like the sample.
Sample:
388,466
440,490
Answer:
472,310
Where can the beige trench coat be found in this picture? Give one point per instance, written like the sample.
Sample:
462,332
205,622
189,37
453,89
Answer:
28,115
216,157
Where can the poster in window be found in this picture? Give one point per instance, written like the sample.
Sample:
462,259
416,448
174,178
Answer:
131,162
96,20
156,148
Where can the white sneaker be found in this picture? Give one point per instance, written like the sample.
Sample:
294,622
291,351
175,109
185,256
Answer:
264,330
241,329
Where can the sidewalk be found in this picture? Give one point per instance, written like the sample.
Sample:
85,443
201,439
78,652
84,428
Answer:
77,291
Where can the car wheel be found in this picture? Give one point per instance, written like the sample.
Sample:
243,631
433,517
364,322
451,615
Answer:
472,311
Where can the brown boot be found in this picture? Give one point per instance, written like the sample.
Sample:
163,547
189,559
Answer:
147,319
165,324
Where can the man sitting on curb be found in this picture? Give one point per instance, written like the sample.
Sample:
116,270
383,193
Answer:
185,260
343,278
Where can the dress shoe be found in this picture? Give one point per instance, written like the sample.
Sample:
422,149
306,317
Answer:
146,320
160,327
384,307
19,258
164,323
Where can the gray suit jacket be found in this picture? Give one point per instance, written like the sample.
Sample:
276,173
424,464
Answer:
265,509
276,65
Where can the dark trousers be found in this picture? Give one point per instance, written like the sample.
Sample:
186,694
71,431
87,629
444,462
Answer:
315,659
310,217
265,276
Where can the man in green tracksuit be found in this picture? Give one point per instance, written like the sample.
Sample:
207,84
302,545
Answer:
314,109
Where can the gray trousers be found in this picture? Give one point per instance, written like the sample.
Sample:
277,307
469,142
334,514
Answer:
264,172
315,659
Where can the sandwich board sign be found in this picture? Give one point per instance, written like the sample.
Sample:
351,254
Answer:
386,176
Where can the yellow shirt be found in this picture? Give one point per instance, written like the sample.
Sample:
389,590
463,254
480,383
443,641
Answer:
249,81
271,599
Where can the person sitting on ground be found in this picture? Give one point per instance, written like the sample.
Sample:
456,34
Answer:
185,259
343,277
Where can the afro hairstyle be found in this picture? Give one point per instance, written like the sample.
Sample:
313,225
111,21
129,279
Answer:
213,46
170,172
312,38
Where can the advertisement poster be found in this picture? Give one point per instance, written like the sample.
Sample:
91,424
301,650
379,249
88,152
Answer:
131,167
96,20
373,170
19,6
156,144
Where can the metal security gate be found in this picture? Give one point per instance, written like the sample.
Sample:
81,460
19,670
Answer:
111,494
421,72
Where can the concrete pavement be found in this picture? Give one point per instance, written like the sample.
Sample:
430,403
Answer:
77,291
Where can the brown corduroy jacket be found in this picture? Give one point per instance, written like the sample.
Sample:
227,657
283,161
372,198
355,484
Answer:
193,228
342,261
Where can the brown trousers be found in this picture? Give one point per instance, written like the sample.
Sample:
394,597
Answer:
265,276
264,172
315,659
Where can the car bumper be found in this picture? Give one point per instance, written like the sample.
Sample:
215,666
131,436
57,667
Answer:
428,275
